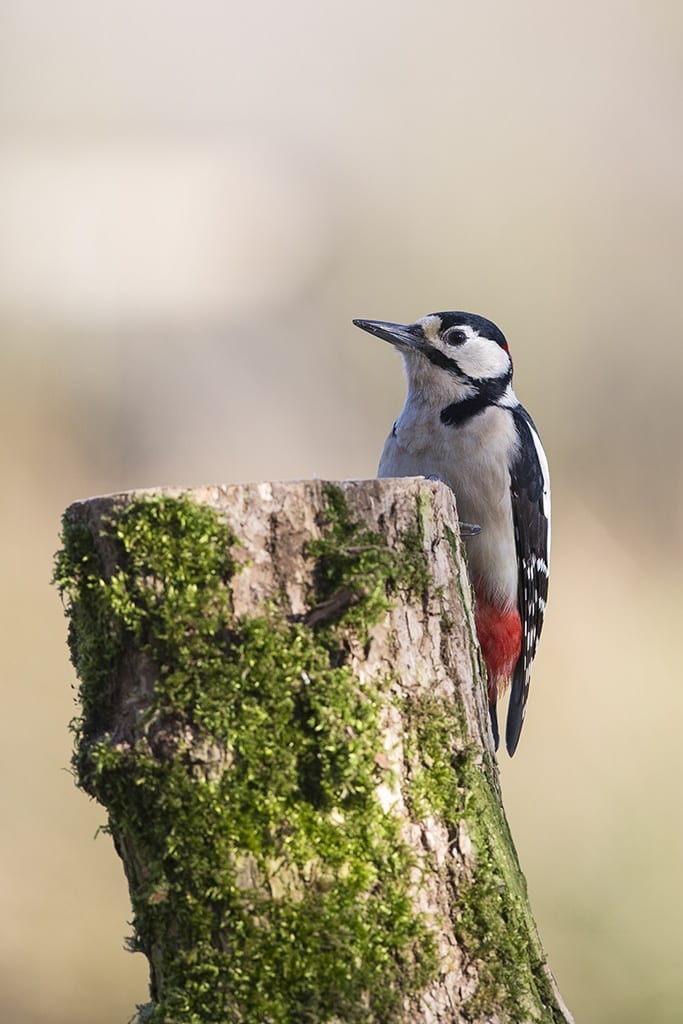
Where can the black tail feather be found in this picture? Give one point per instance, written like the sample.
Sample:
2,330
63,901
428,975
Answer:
515,718
493,711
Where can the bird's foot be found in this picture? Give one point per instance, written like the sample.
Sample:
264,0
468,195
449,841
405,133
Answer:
469,529
466,529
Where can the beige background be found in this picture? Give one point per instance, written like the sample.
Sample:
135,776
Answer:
195,200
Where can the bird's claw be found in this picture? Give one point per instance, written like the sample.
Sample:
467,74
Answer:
469,529
466,529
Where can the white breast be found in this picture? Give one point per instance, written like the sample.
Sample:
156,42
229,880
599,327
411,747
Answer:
474,460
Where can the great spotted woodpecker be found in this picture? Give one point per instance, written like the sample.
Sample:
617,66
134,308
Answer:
463,424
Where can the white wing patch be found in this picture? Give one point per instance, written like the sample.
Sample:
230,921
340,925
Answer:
530,491
543,463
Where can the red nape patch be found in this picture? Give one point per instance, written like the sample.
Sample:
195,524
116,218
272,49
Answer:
500,638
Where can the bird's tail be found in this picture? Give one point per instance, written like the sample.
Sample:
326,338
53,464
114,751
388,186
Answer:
493,711
517,706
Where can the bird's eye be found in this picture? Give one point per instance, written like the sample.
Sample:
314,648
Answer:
455,336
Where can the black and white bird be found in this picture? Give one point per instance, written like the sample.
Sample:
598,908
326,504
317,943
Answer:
463,424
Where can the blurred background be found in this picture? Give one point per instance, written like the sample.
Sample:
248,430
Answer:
195,200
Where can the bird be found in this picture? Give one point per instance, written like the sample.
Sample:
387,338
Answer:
463,424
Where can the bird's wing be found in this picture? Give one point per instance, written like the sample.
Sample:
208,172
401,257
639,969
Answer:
530,489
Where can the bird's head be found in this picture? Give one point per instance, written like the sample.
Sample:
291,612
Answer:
448,351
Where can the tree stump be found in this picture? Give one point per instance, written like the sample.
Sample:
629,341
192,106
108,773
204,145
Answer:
283,713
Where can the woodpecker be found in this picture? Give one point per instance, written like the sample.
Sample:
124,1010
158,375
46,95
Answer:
463,424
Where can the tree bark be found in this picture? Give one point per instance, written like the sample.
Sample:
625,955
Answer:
284,714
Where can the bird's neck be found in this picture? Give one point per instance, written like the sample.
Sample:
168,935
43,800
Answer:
451,399
494,391
432,390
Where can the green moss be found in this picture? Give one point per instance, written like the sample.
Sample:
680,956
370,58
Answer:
491,916
94,637
355,565
267,883
171,591
437,757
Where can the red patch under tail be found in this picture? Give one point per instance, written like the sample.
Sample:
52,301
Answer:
500,638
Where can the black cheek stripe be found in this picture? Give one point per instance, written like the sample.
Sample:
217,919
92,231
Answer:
458,412
488,393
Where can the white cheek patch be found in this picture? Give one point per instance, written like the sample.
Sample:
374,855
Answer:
431,325
480,358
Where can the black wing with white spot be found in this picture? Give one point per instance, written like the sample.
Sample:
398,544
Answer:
530,488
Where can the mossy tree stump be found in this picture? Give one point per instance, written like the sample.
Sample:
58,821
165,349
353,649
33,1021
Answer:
283,713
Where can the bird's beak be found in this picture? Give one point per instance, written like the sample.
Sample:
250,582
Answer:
400,335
